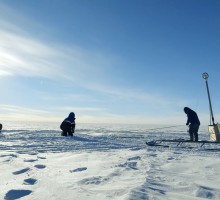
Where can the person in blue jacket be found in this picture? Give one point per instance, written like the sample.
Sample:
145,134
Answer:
68,125
193,122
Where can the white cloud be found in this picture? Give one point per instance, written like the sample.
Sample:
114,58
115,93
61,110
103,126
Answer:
4,73
19,113
25,57
81,109
23,54
92,115
137,95
15,113
15,109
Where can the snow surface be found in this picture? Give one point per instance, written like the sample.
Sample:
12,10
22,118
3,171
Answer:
103,162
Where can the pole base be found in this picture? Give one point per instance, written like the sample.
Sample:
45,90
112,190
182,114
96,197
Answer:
214,134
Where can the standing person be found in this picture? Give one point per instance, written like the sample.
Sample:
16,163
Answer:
193,122
68,125
0,128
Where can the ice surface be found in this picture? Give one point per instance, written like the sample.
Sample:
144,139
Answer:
104,161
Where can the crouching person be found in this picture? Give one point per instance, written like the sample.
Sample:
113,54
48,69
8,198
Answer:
68,125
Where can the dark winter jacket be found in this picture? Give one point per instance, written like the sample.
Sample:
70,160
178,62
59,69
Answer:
68,124
71,118
192,116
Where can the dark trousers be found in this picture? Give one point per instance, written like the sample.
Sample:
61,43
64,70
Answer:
67,128
193,132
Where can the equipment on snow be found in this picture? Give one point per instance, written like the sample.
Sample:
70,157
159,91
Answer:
213,128
181,142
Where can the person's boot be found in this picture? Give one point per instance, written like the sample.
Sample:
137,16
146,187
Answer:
191,136
63,133
196,137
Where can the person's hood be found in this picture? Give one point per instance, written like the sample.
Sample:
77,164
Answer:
71,116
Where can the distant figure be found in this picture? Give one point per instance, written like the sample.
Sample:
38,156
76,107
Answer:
68,125
193,122
0,128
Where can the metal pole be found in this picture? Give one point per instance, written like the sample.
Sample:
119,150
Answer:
206,76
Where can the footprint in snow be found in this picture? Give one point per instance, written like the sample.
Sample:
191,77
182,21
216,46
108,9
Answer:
8,158
177,153
135,158
205,192
30,160
135,148
128,165
9,155
30,181
41,157
78,169
33,153
39,166
153,154
21,171
94,180
16,194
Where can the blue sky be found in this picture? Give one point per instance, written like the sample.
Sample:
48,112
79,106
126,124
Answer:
109,61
